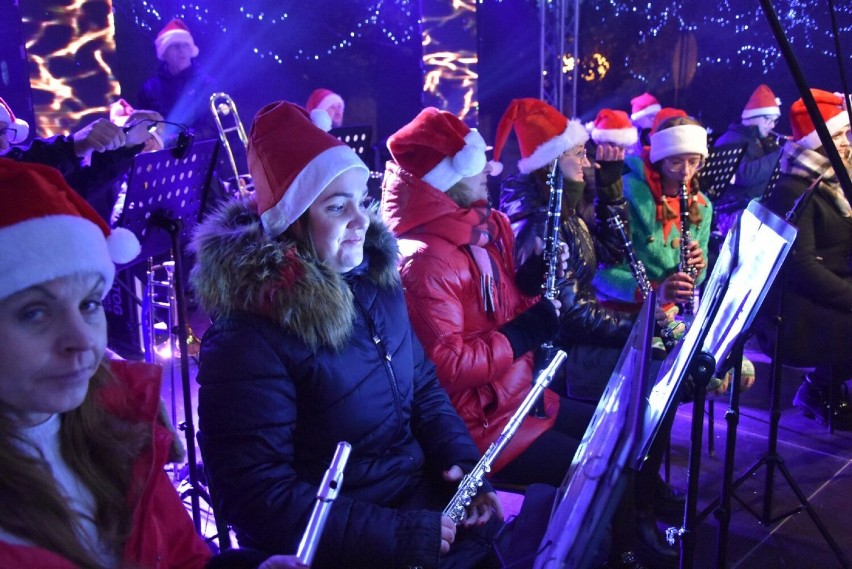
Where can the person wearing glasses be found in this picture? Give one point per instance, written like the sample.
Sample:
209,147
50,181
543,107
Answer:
592,334
652,188
762,151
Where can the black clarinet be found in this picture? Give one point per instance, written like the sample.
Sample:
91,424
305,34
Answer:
544,354
637,267
687,309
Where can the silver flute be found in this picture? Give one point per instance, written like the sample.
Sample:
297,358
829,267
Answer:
326,494
456,510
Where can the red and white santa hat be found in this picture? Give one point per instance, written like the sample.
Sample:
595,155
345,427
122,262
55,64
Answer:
318,104
174,31
643,105
679,139
614,127
543,133
833,110
48,231
20,127
762,102
292,161
438,148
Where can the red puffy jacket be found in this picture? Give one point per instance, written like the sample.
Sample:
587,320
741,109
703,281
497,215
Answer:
443,291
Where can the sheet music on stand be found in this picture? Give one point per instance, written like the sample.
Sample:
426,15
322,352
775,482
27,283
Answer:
719,169
161,182
748,263
596,479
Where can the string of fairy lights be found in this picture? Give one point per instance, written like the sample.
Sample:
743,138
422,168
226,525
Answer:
747,41
739,26
276,30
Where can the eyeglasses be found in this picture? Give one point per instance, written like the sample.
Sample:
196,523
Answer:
682,164
771,120
9,132
578,155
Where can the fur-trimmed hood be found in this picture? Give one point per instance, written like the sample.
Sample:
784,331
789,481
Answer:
240,268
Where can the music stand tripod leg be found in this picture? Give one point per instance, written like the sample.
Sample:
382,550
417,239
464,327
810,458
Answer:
732,417
173,227
701,369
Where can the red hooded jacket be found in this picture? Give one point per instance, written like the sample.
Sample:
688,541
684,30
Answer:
445,302
162,536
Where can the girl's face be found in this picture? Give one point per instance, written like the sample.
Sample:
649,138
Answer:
680,169
54,336
338,222
572,162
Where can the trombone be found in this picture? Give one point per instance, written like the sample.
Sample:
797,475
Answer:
223,107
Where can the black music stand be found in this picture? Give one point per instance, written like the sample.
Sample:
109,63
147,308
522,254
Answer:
596,479
359,138
718,171
165,194
761,226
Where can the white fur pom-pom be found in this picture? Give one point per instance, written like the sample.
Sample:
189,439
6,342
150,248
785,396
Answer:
123,246
321,119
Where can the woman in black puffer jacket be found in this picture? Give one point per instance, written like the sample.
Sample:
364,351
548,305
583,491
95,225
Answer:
592,334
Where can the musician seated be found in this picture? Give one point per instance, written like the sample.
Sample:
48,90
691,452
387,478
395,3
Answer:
652,188
84,443
762,150
592,334
311,346
475,321
92,159
817,304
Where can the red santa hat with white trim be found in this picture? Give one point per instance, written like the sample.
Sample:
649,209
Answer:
678,139
291,161
643,105
174,31
438,148
832,107
614,127
20,127
318,104
48,231
543,133
762,102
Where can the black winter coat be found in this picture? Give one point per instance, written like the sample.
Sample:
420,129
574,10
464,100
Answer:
817,306
97,183
583,320
300,358
755,169
182,98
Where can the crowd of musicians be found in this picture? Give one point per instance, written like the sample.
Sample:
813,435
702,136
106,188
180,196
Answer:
410,328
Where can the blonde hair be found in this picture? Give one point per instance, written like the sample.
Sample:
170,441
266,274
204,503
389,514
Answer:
99,448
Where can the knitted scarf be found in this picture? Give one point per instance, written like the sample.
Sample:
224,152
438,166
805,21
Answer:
797,160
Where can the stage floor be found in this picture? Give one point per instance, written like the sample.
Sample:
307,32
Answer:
820,463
